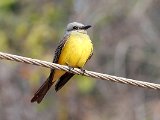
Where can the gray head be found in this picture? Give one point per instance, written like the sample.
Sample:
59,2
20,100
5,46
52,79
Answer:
79,27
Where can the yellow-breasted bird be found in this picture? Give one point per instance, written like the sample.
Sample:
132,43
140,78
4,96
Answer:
74,50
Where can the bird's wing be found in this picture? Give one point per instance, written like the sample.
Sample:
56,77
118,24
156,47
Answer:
59,48
63,80
57,54
91,54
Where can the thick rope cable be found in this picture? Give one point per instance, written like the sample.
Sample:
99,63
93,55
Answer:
79,71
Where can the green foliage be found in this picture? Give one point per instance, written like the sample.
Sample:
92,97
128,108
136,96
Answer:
31,28
35,41
85,84
6,4
3,41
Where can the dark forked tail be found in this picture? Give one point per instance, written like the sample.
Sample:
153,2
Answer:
39,95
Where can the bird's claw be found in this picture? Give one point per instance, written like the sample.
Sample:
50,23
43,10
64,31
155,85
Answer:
83,70
70,68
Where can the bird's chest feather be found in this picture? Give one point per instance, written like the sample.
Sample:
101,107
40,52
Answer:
76,50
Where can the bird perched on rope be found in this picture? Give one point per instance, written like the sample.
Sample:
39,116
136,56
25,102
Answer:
74,50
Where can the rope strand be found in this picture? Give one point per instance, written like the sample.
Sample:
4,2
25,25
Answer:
78,71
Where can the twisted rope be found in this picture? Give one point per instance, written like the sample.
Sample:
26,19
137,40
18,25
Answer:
79,72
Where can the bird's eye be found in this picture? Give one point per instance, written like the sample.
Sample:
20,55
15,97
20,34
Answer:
75,27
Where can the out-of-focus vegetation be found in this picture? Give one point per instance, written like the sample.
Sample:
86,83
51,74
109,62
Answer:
125,35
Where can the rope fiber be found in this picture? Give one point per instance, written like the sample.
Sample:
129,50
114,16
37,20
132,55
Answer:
92,74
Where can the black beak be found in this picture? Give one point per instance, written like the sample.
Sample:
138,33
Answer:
86,27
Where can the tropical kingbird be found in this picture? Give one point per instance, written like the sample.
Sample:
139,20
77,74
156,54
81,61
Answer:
74,50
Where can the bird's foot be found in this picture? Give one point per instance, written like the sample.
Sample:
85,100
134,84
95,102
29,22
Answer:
70,68
83,70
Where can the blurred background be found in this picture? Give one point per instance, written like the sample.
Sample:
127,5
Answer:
125,35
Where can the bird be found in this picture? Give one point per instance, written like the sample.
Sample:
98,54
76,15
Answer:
74,50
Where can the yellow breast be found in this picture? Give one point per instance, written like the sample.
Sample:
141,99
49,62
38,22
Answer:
76,50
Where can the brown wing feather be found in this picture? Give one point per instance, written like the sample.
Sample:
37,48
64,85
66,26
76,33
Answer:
91,54
63,80
59,49
39,95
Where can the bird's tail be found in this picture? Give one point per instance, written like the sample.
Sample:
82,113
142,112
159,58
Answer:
39,95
